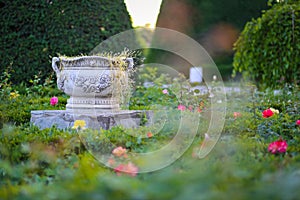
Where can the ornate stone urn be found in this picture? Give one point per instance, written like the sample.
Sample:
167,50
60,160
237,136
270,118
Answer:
94,83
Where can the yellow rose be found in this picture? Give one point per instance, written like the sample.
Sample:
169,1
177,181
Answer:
79,123
275,111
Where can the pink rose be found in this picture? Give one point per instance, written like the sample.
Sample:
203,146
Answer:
181,107
236,115
120,168
165,91
119,151
298,122
279,146
53,101
129,169
267,113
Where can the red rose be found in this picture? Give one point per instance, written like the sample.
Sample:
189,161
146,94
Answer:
267,113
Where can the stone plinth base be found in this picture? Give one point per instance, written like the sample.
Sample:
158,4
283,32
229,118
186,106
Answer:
63,119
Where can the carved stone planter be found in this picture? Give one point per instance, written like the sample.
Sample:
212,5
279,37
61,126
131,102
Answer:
93,83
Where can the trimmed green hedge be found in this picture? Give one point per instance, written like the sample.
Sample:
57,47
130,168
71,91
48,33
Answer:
34,31
268,49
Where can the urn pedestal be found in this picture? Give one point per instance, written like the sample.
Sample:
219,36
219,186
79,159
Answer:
95,85
64,119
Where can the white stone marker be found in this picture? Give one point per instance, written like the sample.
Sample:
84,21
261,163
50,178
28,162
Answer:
196,74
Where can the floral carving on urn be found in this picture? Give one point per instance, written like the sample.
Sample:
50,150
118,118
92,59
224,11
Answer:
92,82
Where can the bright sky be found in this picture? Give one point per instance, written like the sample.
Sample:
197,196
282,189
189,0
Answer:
143,11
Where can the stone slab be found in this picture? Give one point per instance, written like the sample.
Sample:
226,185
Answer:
64,119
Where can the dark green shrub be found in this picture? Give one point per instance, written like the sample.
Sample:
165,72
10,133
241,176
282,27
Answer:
34,31
268,49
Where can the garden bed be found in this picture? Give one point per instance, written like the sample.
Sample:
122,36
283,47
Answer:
256,157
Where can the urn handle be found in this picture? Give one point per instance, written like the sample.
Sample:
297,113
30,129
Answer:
55,61
60,76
